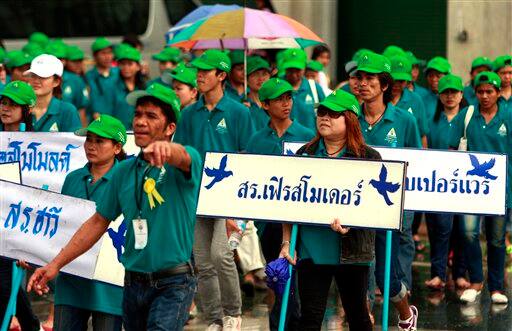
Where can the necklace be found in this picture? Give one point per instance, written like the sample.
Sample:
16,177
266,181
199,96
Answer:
370,127
334,153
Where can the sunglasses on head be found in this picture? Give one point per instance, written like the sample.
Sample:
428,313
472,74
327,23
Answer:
323,111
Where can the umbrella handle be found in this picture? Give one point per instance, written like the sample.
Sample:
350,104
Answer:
286,294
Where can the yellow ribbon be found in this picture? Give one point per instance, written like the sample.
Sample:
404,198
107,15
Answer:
150,189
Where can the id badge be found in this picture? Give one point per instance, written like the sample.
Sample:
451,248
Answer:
140,228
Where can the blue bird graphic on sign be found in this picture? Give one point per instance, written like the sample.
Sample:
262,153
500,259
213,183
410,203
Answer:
481,170
218,174
289,152
383,186
118,238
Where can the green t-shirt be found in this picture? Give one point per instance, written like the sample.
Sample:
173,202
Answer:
74,90
80,292
227,128
60,116
412,102
170,224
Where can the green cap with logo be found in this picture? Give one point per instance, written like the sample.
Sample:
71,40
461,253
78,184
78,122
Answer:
450,82
373,63
294,58
57,49
183,74
440,64
159,91
481,61
274,88
401,68
341,101
236,57
255,63
33,49
487,77
413,59
393,50
74,53
168,54
100,43
315,66
360,52
501,61
39,38
19,92
213,59
17,59
127,52
105,126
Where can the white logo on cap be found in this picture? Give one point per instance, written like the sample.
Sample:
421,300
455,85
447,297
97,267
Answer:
224,65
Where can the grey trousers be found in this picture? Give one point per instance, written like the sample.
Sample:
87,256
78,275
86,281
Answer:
218,283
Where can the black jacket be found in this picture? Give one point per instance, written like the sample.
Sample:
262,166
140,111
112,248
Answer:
358,245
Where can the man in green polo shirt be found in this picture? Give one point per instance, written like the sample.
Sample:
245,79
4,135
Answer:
102,78
157,194
216,123
383,124
502,65
167,59
234,86
436,68
405,99
478,65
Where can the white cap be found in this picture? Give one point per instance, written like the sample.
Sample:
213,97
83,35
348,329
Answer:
45,65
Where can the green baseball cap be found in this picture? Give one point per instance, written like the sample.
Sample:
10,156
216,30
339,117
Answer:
440,64
33,49
450,82
502,61
480,62
74,53
401,68
20,92
373,63
314,66
127,52
393,50
183,74
17,59
100,43
105,126
360,52
294,58
413,59
274,88
39,38
170,54
213,59
487,77
236,57
255,63
341,101
160,92
57,49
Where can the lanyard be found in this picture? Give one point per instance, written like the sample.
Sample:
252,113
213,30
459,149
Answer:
137,191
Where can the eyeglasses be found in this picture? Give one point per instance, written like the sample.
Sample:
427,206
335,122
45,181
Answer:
323,111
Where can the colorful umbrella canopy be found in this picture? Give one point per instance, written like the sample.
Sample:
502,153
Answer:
196,15
246,29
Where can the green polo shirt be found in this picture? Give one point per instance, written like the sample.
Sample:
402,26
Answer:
430,101
101,90
74,90
320,243
493,137
303,109
60,116
397,128
420,90
259,116
505,102
231,92
227,128
441,132
170,224
80,292
121,109
412,102
470,95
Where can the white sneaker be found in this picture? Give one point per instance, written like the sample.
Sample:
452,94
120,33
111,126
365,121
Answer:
232,323
214,327
499,298
469,295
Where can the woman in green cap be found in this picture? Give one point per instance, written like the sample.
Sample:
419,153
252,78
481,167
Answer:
167,59
488,130
50,114
258,72
338,135
443,228
77,299
130,79
183,80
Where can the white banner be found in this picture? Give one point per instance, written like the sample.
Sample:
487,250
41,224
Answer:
448,181
367,194
36,224
10,172
47,157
